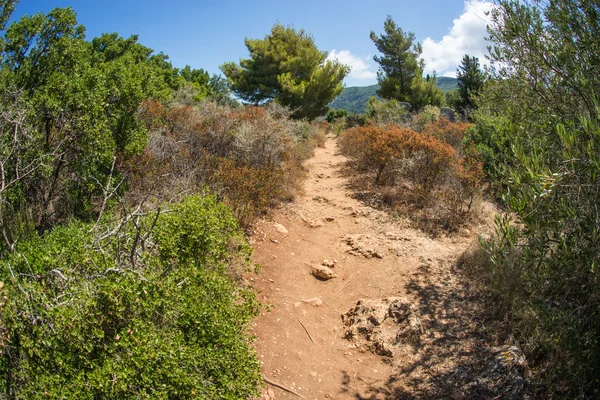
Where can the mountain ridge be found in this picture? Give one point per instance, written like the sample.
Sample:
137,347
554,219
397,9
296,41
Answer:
354,98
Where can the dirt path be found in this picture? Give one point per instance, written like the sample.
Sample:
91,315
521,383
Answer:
300,340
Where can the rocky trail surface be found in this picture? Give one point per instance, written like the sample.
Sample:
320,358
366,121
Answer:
362,306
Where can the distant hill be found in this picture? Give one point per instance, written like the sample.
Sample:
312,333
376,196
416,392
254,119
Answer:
354,98
446,84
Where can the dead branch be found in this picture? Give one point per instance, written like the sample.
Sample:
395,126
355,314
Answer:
107,191
346,284
280,386
306,330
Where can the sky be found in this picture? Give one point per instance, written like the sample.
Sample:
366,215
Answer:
206,34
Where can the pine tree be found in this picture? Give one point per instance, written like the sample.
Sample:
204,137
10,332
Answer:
470,81
287,67
400,61
400,74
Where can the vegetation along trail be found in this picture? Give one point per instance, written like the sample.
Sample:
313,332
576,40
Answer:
445,244
303,342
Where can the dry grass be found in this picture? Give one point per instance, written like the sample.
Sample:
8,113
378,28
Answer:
251,157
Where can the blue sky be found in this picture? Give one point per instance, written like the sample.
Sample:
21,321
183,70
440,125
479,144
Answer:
205,34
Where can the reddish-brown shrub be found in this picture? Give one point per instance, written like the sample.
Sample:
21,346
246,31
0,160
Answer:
375,147
250,113
432,161
151,113
470,175
446,131
456,198
248,190
252,156
436,179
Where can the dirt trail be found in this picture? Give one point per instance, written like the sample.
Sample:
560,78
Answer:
376,257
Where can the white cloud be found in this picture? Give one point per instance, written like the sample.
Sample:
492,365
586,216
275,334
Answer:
467,36
359,68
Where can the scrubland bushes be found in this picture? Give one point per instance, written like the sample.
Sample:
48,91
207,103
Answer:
538,130
251,156
541,265
123,185
445,131
139,307
441,179
143,297
388,112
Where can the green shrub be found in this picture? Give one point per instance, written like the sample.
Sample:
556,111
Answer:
354,120
387,111
69,109
332,115
491,136
428,115
538,129
128,312
552,252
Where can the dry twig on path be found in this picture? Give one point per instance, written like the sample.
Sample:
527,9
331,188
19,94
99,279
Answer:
346,284
306,330
280,386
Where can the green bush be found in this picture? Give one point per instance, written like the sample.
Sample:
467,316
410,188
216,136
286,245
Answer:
130,313
428,115
387,111
552,253
538,129
491,136
353,120
332,115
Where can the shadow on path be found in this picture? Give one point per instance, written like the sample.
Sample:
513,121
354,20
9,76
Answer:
457,350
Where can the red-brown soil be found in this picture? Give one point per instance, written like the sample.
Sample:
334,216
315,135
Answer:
301,335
